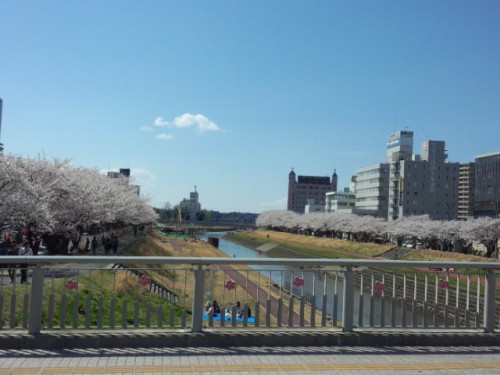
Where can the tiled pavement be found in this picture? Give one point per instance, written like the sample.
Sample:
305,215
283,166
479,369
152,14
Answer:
255,360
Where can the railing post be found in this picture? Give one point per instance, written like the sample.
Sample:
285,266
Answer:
348,298
489,302
198,294
35,317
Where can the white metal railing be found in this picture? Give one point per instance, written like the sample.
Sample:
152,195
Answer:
68,292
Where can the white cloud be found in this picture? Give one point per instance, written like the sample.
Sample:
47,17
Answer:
199,122
159,121
146,128
165,136
279,204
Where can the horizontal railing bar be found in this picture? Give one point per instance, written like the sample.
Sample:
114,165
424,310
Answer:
200,261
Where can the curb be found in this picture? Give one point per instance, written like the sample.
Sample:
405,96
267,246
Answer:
70,340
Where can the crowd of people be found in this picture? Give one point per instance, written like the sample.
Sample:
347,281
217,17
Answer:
213,308
20,246
110,244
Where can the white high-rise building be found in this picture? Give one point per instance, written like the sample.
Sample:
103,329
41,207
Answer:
399,147
423,184
372,190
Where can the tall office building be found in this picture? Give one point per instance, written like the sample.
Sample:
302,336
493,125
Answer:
399,147
487,185
409,184
305,188
428,184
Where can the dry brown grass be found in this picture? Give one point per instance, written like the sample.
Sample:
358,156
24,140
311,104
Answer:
328,244
436,255
124,281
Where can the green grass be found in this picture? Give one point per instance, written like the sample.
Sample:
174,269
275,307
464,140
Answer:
95,293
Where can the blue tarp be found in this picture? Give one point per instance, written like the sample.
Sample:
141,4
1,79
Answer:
250,319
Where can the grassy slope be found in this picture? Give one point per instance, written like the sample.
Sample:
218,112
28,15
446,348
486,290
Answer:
335,248
326,247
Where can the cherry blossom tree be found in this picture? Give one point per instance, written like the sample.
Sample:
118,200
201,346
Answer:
484,230
443,235
57,200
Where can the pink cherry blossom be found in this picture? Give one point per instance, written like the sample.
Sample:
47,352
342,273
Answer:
71,284
378,287
230,284
144,280
442,284
298,281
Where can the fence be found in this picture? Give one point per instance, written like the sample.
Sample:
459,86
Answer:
102,293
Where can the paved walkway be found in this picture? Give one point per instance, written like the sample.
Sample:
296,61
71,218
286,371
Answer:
255,360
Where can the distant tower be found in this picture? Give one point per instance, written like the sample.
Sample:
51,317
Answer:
334,180
191,207
1,145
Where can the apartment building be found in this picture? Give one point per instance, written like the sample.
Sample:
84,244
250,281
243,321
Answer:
305,189
466,188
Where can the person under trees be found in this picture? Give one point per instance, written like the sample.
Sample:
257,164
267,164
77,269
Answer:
13,251
95,244
56,201
25,251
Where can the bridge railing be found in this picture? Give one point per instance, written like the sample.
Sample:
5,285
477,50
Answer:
116,293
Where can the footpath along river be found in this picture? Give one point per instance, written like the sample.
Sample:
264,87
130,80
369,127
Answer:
315,282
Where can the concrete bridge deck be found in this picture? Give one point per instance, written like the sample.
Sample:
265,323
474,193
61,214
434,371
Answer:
233,352
267,360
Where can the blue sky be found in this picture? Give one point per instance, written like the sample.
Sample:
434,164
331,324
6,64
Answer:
230,95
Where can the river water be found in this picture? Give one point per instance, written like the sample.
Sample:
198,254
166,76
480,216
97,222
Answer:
315,282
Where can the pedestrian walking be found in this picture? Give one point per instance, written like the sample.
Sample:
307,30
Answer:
115,244
94,246
14,250
25,251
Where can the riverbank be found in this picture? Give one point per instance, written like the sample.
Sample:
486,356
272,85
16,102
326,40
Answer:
290,245
404,289
251,285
